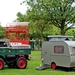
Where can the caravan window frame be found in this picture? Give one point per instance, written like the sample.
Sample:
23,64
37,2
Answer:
59,49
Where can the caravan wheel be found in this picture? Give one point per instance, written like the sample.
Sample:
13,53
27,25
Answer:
53,66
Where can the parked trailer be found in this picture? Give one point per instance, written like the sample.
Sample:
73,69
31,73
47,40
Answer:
13,55
58,51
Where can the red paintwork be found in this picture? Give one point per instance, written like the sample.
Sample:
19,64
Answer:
1,64
21,63
21,41
18,29
53,66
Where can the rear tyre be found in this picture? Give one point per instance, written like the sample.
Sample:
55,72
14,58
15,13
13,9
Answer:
1,63
21,63
53,66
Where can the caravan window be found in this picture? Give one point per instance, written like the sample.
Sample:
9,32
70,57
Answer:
73,50
58,49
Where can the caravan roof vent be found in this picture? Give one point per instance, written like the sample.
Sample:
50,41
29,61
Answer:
59,38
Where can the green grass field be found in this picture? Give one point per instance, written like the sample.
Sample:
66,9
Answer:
31,68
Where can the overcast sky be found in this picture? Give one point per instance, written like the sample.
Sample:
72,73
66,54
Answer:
9,9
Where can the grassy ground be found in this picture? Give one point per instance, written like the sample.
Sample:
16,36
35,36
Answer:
31,68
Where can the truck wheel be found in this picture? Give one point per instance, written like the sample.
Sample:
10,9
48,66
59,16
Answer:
21,63
53,66
1,63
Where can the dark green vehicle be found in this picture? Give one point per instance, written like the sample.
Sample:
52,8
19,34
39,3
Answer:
13,55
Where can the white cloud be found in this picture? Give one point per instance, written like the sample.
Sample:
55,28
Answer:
9,9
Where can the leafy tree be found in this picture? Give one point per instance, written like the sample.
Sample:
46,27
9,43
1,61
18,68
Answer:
2,32
20,17
58,12
38,25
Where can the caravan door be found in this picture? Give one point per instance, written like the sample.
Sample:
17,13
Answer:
46,58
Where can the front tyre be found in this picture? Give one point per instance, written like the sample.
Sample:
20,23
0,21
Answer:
21,63
1,63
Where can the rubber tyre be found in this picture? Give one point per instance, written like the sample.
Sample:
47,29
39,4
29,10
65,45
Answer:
53,66
1,63
21,63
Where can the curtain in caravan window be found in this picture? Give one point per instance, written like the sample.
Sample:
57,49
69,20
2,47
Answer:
73,50
58,49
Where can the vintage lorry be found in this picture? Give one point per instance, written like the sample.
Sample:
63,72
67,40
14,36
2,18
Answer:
13,55
58,51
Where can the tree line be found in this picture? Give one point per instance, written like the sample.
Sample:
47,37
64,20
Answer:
49,17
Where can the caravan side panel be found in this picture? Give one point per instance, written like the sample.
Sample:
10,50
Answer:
61,56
